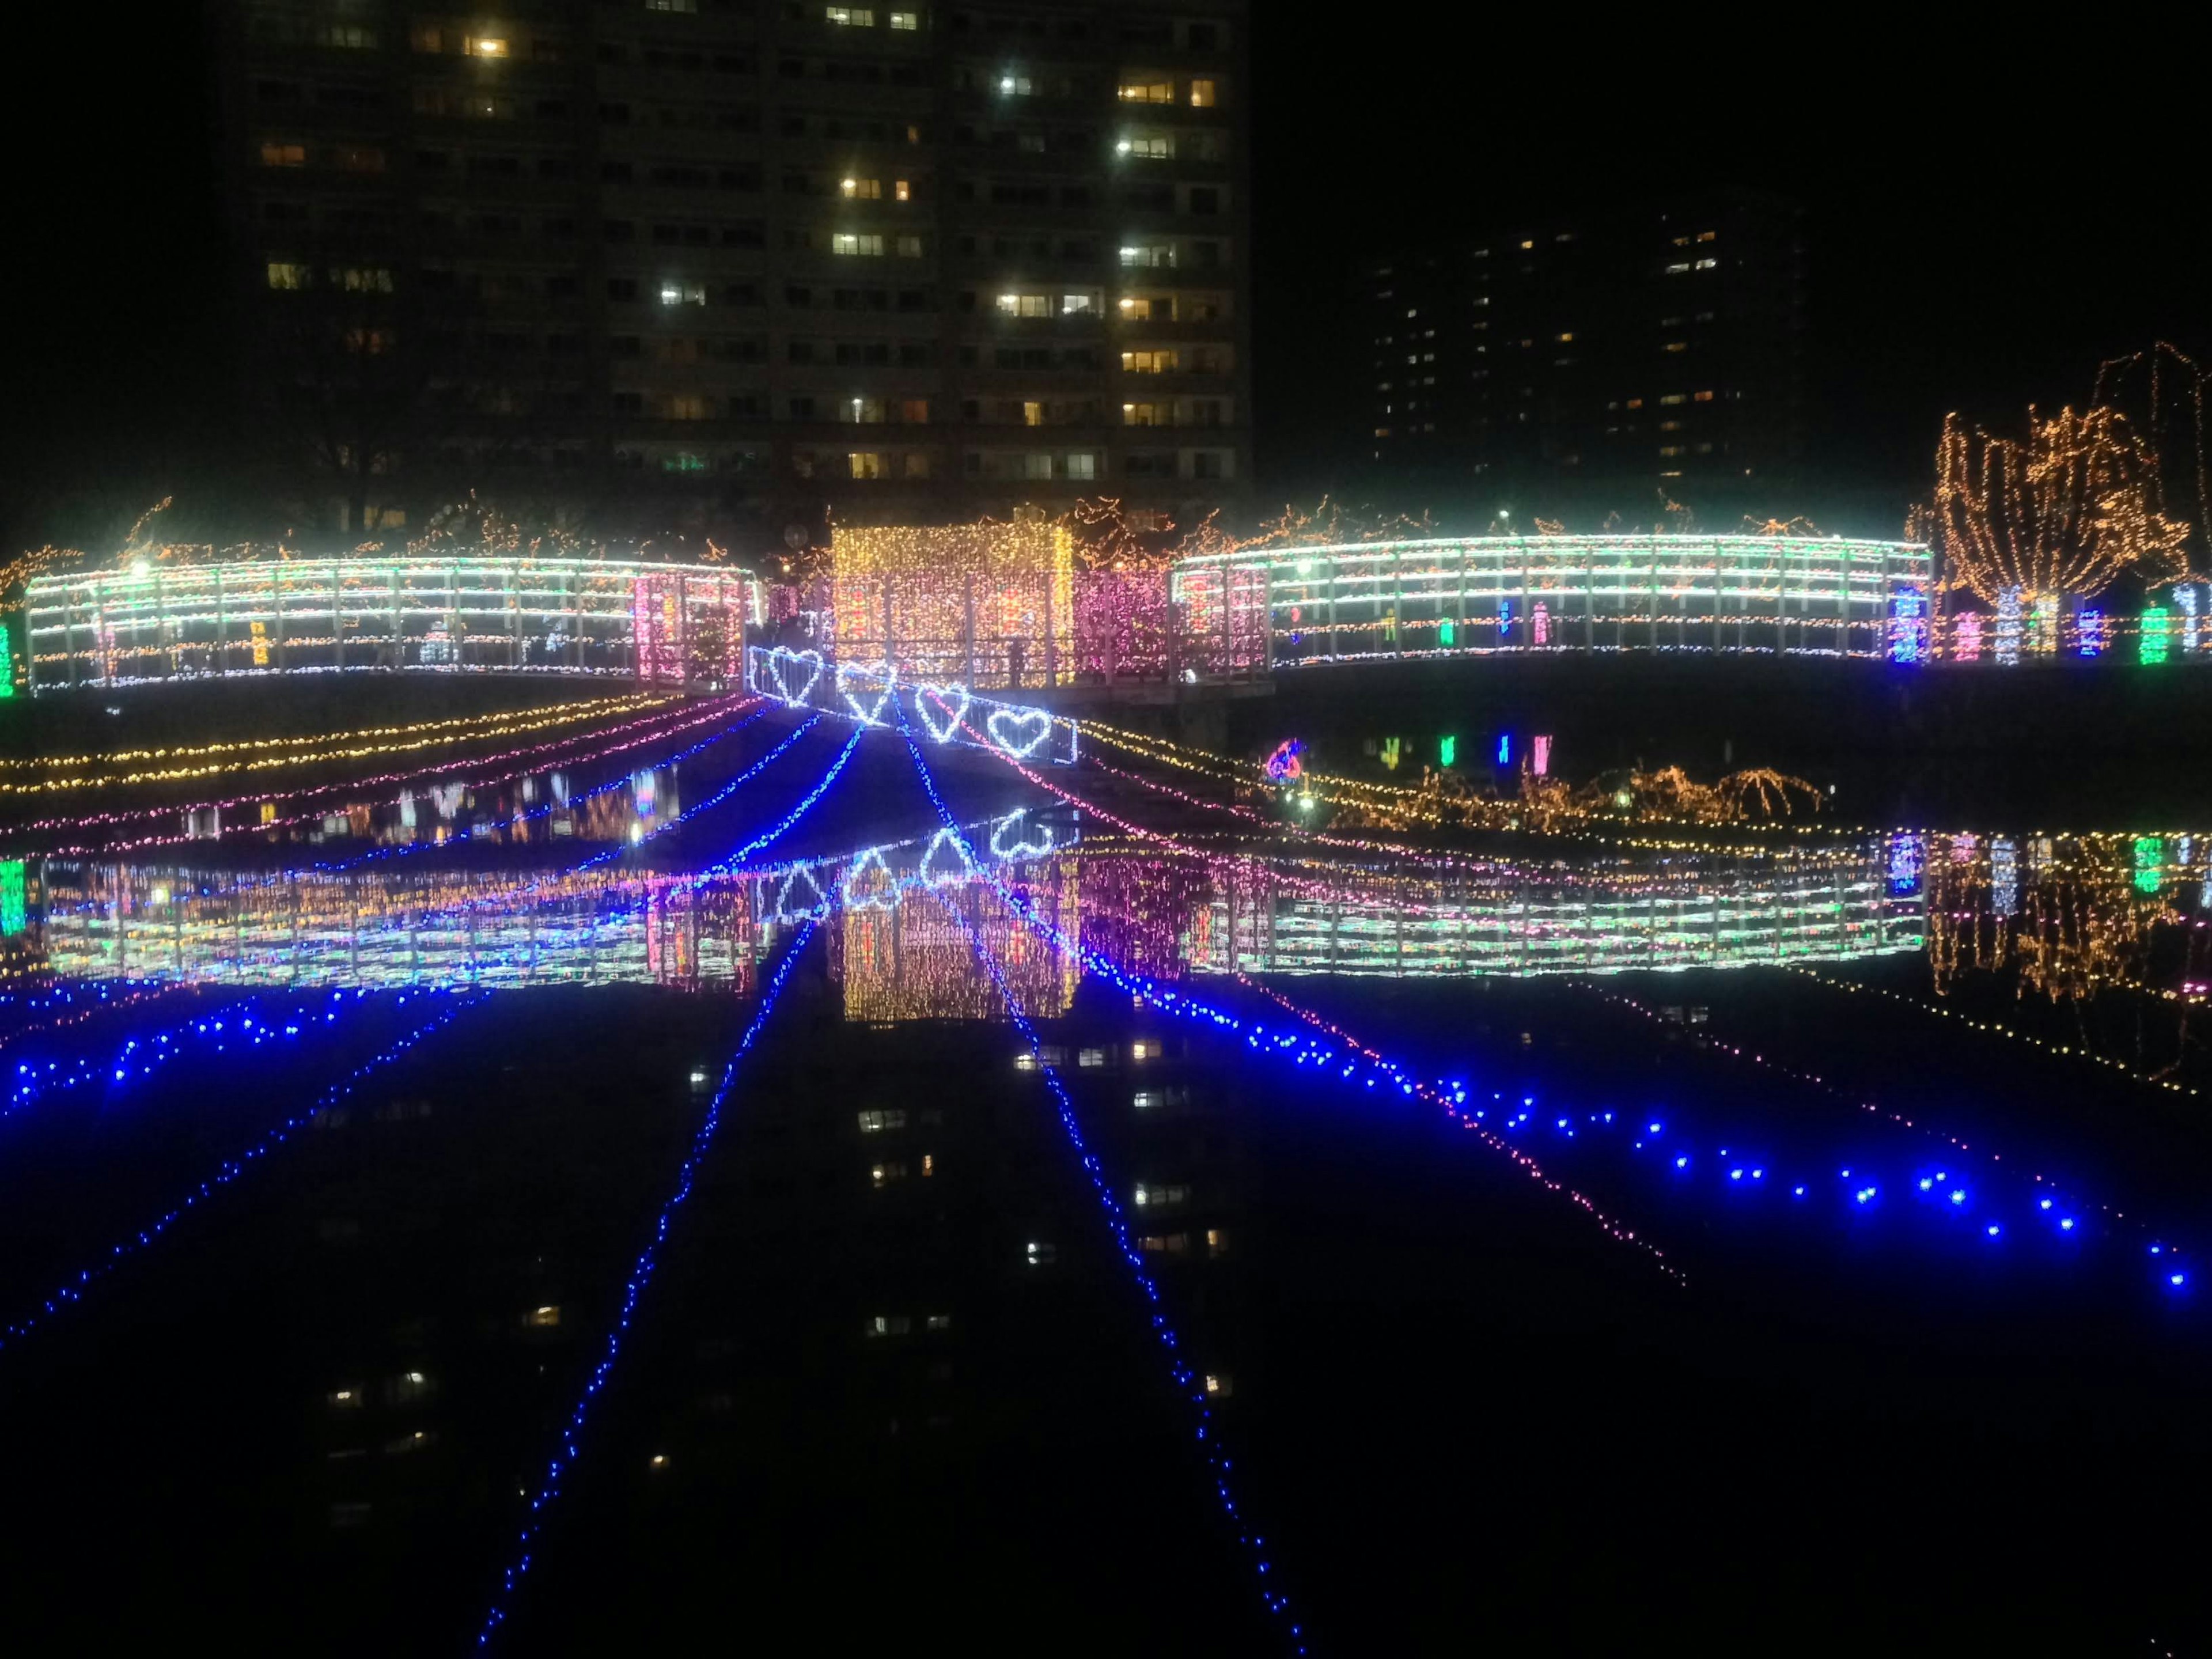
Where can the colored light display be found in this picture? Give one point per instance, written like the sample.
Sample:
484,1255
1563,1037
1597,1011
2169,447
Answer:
948,713
352,747
663,623
1283,763
640,1280
986,603
1757,593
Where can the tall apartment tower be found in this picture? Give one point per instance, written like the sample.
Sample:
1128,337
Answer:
729,265
1599,358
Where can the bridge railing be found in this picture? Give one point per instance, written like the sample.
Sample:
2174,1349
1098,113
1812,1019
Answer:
660,623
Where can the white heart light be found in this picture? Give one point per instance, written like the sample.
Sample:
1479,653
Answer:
1019,732
868,713
943,697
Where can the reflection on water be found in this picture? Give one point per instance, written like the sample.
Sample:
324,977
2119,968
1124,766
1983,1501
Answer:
1389,1146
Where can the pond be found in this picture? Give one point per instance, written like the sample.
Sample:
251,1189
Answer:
768,1181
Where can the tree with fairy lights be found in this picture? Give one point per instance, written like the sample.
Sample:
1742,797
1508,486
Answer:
2069,508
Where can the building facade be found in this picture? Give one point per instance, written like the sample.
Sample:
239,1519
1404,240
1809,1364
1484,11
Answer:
1595,360
704,264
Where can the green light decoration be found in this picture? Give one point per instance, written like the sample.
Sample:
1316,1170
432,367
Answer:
1447,750
2156,620
14,914
2150,863
1448,633
1390,752
7,659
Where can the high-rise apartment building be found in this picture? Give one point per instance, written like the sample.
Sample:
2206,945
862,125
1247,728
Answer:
1655,348
701,263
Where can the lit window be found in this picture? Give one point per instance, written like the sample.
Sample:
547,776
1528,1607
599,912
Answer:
1218,1386
1674,397
1707,264
1091,1057
1145,1100
877,1122
902,191
1025,1061
1144,1050
1076,305
1704,397
1148,92
1201,94
1159,147
1082,464
479,47
1528,245
906,21
882,1174
1670,449
1139,311
848,242
345,1400
1216,1241
1148,362
890,1325
1026,305
1041,1255
939,1322
287,275
862,189
284,156
1155,1197
865,463
683,294
362,279
1565,337
1676,345
1032,414
1707,236
543,1318
867,411
1017,86
1678,268
851,17
1153,254
1164,1244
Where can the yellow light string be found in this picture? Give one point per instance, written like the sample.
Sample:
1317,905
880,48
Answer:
582,708
506,728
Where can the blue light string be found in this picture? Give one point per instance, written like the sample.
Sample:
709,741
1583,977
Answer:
640,1277
72,1289
1187,1382
140,1057
727,864
1348,1063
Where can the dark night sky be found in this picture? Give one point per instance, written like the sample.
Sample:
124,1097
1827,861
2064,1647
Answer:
1973,245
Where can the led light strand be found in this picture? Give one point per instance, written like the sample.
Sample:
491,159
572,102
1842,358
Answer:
640,1277
505,728
1285,1046
1187,1382
1996,1028
583,709
310,792
71,1291
141,1057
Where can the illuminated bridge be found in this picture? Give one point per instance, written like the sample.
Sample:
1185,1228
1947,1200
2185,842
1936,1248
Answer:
1721,915
1286,607
660,623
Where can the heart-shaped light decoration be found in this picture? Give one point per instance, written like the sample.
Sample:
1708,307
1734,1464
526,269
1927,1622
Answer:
1004,847
952,702
781,662
1019,732
937,877
868,713
884,897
